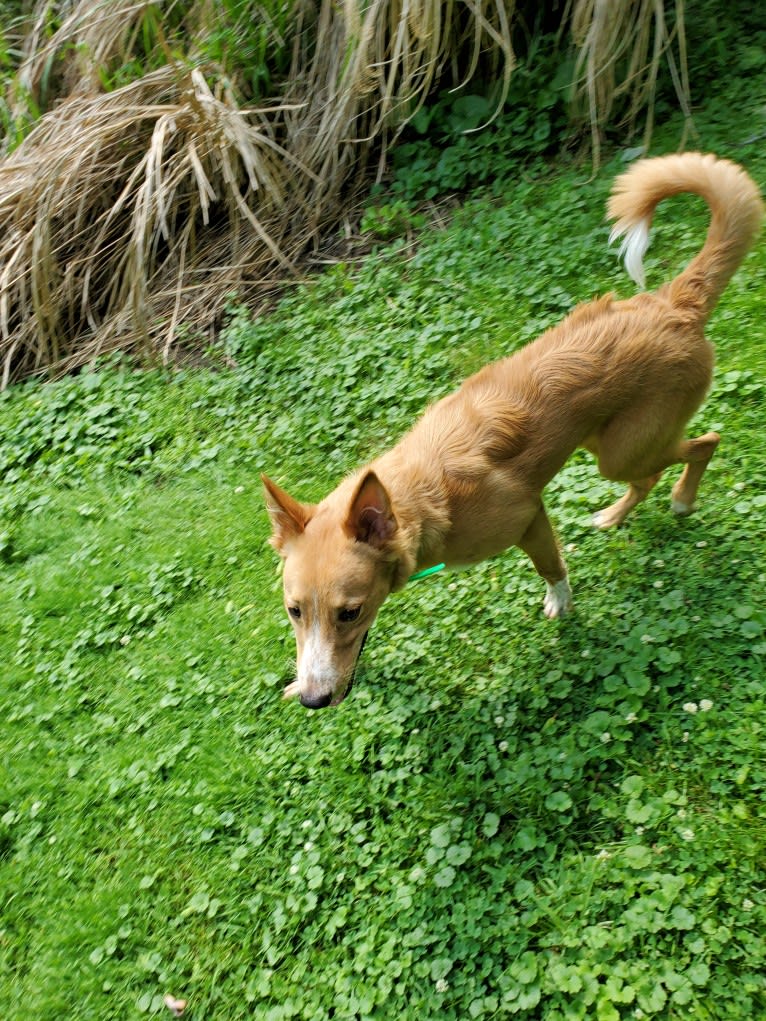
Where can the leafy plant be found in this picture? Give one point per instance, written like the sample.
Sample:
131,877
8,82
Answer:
439,152
391,220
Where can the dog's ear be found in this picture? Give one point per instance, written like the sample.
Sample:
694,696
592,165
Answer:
288,517
371,518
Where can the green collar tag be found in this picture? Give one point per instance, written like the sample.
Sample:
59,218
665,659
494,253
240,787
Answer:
428,571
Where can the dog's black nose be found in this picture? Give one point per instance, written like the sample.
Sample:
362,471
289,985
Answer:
317,702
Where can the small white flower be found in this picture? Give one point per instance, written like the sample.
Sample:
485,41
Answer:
681,813
690,707
705,705
239,489
308,846
747,904
646,639
639,830
294,870
503,746
570,547
307,824
659,583
659,563
125,640
685,736
442,985
499,721
606,737
631,718
701,544
603,855
687,834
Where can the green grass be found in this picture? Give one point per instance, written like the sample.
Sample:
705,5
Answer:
508,816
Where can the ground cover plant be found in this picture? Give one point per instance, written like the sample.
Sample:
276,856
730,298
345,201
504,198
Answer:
508,817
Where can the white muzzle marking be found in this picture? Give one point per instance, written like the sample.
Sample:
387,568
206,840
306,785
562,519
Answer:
317,674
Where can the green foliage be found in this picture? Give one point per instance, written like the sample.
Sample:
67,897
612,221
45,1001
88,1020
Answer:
250,41
454,143
242,43
391,220
721,37
508,816
13,125
11,18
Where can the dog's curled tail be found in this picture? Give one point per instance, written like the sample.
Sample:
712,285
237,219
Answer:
736,208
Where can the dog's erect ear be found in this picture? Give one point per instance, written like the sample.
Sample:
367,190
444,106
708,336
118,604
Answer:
371,518
288,517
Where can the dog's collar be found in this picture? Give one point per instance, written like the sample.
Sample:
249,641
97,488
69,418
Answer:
428,571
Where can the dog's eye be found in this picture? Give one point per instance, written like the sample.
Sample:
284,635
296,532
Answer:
295,612
348,615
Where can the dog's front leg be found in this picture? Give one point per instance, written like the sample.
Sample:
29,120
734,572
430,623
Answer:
539,543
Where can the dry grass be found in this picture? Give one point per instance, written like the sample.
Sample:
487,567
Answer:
125,209
620,47
133,214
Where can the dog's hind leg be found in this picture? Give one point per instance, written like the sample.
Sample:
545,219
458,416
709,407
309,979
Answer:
696,454
539,543
614,515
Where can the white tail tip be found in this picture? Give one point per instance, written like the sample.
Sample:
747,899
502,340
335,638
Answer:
635,241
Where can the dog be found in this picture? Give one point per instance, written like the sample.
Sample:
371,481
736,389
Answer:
619,378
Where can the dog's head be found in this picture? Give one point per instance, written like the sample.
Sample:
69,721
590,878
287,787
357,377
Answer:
339,566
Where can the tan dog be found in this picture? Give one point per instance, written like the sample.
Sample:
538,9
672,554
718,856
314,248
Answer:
620,378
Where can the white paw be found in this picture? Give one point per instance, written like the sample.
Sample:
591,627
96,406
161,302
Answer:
558,599
292,690
605,519
682,509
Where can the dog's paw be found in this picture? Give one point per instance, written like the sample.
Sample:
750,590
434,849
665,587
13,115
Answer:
606,518
558,599
682,509
292,690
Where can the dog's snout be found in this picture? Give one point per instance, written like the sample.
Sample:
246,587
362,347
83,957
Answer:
316,701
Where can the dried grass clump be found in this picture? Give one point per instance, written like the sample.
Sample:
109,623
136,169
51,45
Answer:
620,48
94,35
124,209
134,212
